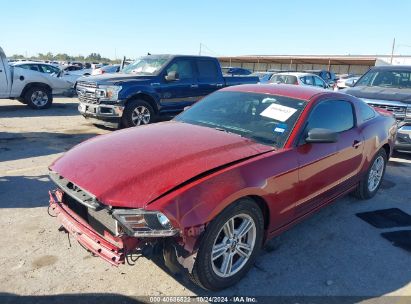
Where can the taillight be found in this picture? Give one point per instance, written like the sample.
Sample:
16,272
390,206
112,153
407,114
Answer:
102,72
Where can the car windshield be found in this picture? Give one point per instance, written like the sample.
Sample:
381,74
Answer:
146,66
386,78
267,119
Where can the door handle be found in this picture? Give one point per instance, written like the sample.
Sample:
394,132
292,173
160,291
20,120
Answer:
356,144
194,85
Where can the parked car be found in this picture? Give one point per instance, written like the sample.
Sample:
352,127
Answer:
38,67
106,69
206,190
263,76
48,69
235,71
346,81
73,72
153,86
30,87
389,88
297,78
329,77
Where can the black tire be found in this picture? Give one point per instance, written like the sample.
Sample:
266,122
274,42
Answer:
21,100
203,273
28,97
362,191
127,119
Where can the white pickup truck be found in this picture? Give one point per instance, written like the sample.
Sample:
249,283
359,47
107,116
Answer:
29,87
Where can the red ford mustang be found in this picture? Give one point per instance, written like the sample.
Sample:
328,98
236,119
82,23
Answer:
211,186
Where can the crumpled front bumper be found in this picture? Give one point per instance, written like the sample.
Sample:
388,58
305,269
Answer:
86,236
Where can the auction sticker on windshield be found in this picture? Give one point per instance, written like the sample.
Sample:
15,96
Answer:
278,112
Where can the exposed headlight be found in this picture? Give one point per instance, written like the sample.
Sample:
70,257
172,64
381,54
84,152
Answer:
143,223
108,93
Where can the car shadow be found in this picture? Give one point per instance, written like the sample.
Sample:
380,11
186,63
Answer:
15,146
22,110
86,298
24,191
402,155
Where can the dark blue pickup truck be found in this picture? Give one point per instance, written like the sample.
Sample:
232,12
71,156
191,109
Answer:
152,86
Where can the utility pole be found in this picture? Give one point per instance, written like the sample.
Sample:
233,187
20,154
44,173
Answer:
200,50
392,50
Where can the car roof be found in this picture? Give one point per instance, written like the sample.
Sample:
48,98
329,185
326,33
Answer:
297,74
30,62
287,90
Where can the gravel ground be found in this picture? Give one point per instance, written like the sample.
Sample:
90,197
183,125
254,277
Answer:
333,253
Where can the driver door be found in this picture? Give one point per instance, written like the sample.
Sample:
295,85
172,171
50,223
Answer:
328,169
184,90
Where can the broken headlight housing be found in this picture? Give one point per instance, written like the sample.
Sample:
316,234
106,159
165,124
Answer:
144,223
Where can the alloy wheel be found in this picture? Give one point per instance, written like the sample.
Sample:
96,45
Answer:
141,115
375,175
233,246
39,98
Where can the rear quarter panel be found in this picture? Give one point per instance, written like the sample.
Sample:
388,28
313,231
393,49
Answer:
377,132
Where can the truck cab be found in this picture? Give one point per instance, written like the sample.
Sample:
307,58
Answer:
150,87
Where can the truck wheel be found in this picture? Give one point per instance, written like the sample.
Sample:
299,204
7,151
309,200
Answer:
229,246
138,112
371,182
38,98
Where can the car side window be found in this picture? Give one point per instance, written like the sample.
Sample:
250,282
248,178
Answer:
207,70
34,67
366,112
49,69
318,82
335,115
183,67
309,80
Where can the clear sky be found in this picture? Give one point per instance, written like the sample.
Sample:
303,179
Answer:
133,28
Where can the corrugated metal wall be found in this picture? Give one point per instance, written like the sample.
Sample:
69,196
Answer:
336,68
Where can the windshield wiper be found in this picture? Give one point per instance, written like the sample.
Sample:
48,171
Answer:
262,139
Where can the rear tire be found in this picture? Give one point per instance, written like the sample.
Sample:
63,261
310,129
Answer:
217,249
372,180
38,98
138,112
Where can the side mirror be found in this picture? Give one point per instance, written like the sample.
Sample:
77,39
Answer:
350,83
172,76
318,135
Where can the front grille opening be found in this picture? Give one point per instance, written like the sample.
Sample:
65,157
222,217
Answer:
100,220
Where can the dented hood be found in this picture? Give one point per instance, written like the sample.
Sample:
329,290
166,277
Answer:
132,167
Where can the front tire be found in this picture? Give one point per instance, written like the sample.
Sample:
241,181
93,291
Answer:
372,180
229,246
138,112
38,98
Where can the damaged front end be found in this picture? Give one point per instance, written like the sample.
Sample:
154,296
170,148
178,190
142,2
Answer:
119,235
